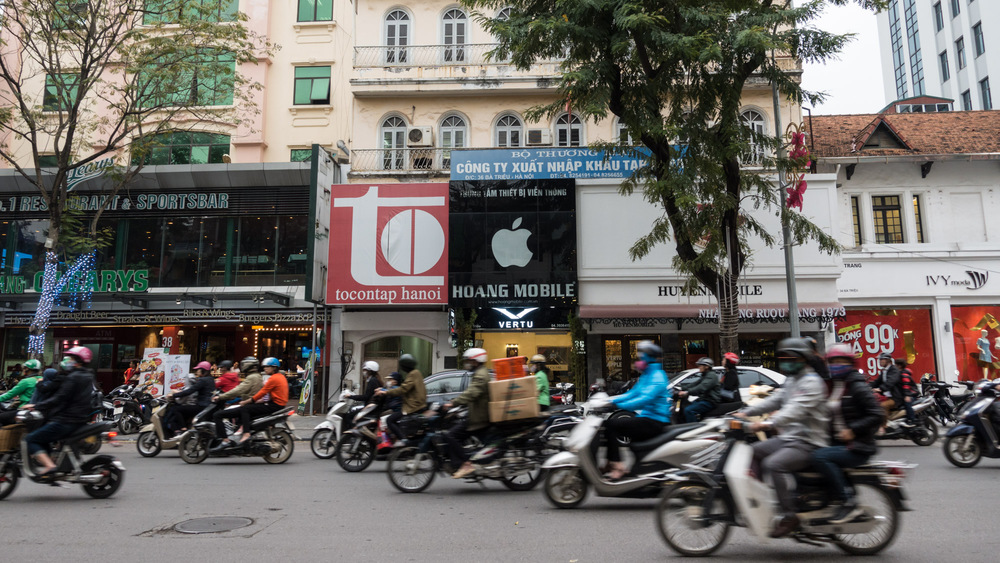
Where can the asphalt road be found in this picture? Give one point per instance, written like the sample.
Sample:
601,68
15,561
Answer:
310,508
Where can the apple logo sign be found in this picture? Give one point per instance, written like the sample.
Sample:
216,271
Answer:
510,246
412,241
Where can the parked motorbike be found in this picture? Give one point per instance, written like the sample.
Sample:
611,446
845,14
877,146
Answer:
100,476
975,436
696,512
571,473
271,437
946,405
132,408
562,394
327,434
923,432
155,436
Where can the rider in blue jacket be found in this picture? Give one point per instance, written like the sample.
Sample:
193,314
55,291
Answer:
649,398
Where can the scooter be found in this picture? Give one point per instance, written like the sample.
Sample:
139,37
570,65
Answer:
327,434
100,476
975,436
923,433
696,512
271,437
573,472
359,447
153,437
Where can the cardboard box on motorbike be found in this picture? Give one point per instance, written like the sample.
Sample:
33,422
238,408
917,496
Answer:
503,411
513,389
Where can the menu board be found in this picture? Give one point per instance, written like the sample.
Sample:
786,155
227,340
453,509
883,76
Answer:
162,371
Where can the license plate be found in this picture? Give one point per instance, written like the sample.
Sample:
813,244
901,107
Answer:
118,410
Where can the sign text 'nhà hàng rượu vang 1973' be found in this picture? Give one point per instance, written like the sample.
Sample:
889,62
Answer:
97,281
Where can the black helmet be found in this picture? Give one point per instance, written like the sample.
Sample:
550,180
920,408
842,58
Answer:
795,347
407,363
249,363
225,364
885,356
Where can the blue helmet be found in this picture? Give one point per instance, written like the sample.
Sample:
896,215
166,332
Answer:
271,362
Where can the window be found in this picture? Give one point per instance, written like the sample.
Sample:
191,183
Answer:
69,14
956,9
917,219
750,377
301,155
269,250
984,93
171,11
393,134
913,42
315,10
508,131
455,23
60,92
210,81
960,52
397,36
445,384
943,63
898,58
453,134
569,131
888,219
48,160
185,147
754,121
856,219
979,46
312,85
938,17
622,133
178,252
967,101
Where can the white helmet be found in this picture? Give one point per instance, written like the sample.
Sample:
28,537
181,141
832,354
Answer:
475,354
370,366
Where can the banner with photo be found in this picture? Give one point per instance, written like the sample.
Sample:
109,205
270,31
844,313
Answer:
163,372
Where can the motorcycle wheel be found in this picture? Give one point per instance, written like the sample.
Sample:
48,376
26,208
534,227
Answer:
962,454
355,453
926,433
9,476
148,444
679,518
90,446
287,442
565,487
880,507
323,445
524,481
193,449
128,425
113,479
411,471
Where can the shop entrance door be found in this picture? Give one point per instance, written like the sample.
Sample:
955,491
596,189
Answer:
618,355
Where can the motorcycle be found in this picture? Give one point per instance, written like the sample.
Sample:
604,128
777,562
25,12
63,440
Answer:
975,436
132,407
562,394
328,433
359,447
155,437
271,437
100,476
695,513
948,407
923,432
571,473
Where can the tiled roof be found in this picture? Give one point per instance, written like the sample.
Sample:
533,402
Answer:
955,132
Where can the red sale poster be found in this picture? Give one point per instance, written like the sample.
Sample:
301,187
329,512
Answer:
977,341
904,333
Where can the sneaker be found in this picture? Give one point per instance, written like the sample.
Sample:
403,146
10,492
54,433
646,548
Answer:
788,524
845,513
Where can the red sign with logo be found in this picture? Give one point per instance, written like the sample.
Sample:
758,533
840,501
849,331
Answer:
903,333
388,244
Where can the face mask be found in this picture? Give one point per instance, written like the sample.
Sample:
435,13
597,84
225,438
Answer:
790,366
67,364
840,371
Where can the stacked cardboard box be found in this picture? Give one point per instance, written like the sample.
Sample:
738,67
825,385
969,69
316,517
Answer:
513,399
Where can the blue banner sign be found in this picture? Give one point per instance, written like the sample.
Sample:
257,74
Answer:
540,164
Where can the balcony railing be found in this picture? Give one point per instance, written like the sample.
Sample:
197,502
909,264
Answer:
399,161
378,56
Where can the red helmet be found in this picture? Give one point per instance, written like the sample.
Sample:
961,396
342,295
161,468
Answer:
81,352
841,351
731,357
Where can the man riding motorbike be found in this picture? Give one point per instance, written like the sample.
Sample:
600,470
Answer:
888,382
476,396
271,397
855,417
22,392
251,384
908,390
649,398
412,391
204,386
705,386
802,417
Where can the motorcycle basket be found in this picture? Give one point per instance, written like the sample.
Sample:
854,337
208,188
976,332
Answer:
10,437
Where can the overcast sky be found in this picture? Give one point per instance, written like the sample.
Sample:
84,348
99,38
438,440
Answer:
853,83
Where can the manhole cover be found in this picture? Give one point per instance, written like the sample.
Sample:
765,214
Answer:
212,525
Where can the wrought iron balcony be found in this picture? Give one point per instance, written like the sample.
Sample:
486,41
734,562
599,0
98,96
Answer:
472,54
401,161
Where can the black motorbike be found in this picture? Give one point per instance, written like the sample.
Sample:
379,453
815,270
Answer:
271,437
947,406
977,434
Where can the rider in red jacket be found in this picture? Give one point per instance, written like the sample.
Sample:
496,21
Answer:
228,379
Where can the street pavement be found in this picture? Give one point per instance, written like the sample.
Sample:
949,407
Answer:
309,509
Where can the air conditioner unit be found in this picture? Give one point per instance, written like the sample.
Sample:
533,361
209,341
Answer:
539,137
419,137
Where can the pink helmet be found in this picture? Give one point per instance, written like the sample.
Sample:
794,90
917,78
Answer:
81,352
844,351
204,365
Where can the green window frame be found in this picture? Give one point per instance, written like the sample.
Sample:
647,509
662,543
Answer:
48,160
301,155
171,11
315,10
185,147
60,91
888,216
312,85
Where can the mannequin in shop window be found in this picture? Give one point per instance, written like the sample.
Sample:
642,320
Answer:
985,356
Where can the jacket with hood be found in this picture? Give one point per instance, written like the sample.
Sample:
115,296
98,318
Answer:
859,411
477,397
650,396
704,386
802,413
71,403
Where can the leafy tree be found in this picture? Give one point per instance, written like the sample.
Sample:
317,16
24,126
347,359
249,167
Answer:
674,72
96,83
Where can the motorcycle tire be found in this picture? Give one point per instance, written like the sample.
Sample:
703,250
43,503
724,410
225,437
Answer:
323,444
959,456
883,511
565,487
148,444
193,449
113,478
9,475
411,471
287,442
677,519
926,433
128,424
90,446
525,481
355,453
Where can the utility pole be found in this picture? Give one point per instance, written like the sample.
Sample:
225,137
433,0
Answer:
786,232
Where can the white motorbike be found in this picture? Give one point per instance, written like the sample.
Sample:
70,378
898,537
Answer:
695,514
573,472
327,434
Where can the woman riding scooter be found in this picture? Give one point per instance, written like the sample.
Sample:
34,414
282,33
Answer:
204,386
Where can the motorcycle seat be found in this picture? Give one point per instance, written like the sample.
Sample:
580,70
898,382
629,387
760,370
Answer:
724,408
86,431
275,416
671,433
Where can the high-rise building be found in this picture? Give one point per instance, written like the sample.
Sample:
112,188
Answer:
939,48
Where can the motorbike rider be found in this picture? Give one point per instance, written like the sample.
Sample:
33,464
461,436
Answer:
476,397
888,382
22,392
730,388
704,385
412,391
372,383
270,397
908,386
855,417
802,419
203,386
649,398
66,410
251,384
537,367
229,378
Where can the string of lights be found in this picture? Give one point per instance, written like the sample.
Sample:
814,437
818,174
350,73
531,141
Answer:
75,287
